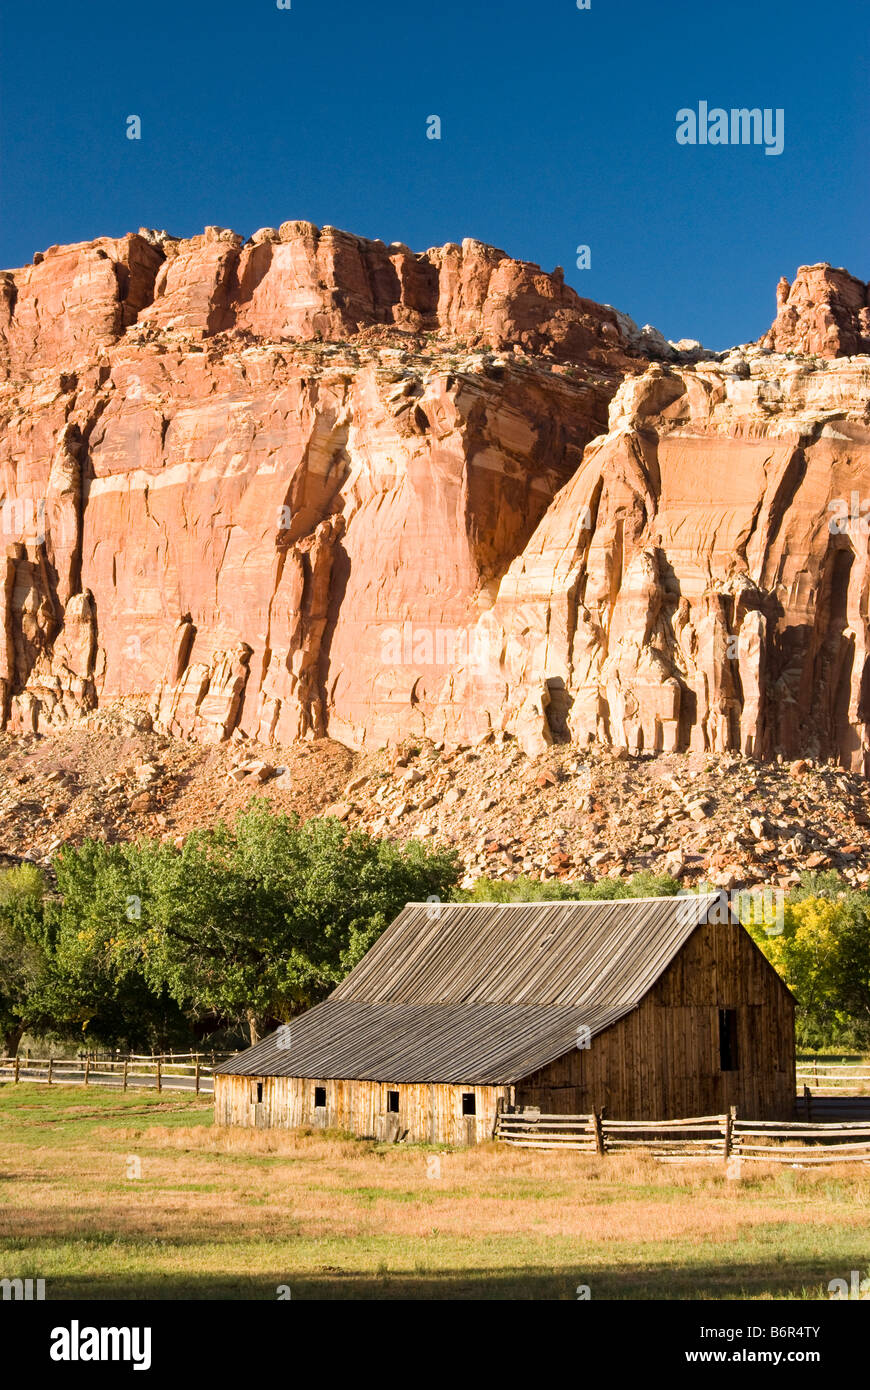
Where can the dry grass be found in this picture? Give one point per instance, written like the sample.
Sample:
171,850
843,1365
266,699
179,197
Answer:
222,1214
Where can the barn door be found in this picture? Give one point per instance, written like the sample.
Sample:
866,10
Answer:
468,1101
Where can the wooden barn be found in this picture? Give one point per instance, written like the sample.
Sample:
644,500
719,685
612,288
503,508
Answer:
653,1008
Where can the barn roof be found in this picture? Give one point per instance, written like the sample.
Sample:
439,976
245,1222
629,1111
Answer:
481,993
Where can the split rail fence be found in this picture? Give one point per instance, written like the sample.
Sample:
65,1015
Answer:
704,1137
833,1090
171,1072
833,1077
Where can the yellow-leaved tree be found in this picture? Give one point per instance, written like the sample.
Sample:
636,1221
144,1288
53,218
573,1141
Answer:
823,954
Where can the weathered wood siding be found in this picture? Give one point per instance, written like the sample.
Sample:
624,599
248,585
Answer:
426,1114
662,1060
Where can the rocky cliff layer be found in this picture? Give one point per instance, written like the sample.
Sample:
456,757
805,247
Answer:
297,282
824,313
313,484
702,581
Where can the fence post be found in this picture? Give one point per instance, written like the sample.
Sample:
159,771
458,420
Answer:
499,1111
197,1076
729,1130
126,1064
49,1070
16,1068
599,1132
87,1068
808,1102
159,1077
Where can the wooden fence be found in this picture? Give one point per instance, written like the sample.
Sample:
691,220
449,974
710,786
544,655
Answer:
833,1091
836,1141
531,1130
186,1072
832,1077
704,1137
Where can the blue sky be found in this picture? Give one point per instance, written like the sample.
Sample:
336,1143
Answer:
558,130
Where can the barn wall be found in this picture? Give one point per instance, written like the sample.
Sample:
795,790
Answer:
427,1114
662,1060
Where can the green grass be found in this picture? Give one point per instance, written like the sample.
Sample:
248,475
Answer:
231,1214
806,1059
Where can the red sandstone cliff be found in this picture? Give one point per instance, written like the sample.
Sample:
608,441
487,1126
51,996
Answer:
317,484
299,282
825,312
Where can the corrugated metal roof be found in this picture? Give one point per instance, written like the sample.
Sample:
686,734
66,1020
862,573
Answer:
481,993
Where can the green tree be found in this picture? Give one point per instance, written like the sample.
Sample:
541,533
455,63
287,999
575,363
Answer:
22,957
259,920
528,890
823,954
91,990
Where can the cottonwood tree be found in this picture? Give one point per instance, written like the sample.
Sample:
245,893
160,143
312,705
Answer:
259,920
22,958
89,989
524,889
823,954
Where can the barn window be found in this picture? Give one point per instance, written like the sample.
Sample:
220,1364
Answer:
393,1102
258,1097
728,1060
469,1103
319,1097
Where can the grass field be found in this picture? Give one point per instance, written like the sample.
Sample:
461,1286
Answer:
219,1214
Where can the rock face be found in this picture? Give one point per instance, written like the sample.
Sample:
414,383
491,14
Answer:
702,580
72,301
315,485
825,312
297,282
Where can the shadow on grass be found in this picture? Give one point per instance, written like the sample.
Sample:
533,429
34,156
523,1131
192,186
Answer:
799,1279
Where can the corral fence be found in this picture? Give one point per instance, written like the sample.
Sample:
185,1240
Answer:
832,1077
833,1090
704,1137
191,1071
